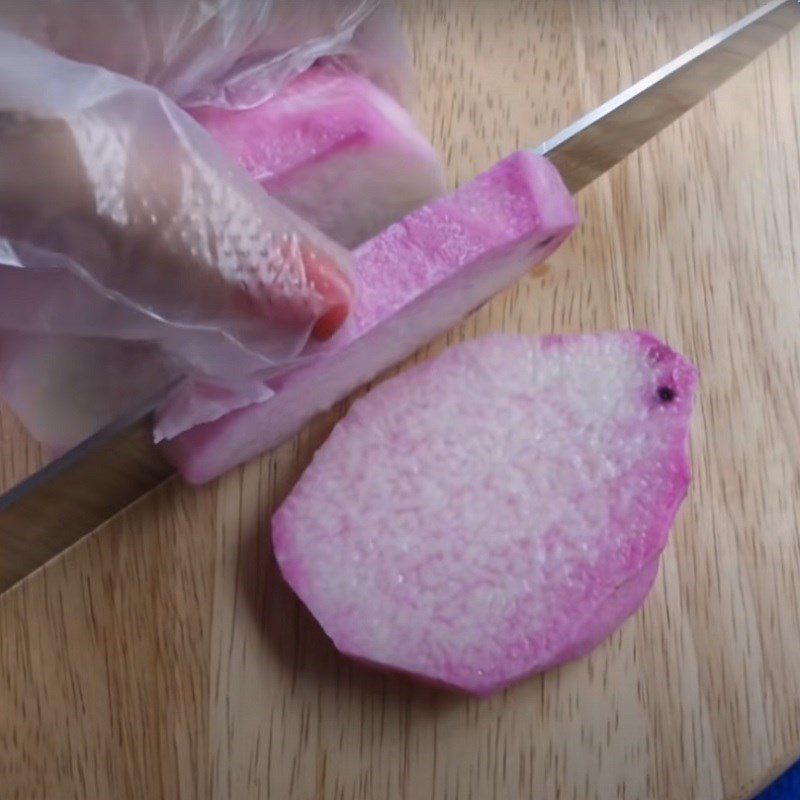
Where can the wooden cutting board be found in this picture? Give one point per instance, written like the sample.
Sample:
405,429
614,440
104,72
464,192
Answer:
164,657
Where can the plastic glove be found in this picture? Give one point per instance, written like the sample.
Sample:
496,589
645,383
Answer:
230,53
125,220
127,260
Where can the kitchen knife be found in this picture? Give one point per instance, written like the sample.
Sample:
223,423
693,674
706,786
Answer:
74,494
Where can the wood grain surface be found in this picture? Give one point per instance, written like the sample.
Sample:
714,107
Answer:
165,658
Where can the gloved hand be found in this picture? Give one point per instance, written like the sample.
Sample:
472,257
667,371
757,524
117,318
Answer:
123,221
104,176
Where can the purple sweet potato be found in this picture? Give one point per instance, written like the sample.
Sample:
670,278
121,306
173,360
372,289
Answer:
335,149
496,511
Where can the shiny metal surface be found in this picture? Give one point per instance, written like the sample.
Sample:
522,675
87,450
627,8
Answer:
73,495
70,497
604,137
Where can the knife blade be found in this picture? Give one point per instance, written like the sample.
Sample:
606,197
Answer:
73,495
598,141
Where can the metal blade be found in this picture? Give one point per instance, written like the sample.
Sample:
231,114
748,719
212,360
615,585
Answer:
70,497
73,495
604,137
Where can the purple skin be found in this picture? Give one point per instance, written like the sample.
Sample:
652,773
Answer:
413,281
506,506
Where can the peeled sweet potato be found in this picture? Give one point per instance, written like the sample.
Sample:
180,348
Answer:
335,149
496,511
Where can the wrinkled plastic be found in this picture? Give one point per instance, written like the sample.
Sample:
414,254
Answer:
228,53
123,219
63,388
89,327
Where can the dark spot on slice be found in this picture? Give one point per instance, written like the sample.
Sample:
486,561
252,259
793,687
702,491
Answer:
666,394
549,240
